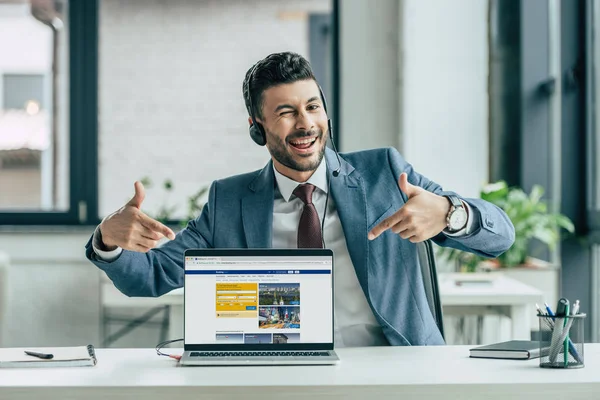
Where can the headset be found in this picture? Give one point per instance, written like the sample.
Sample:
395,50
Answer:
257,131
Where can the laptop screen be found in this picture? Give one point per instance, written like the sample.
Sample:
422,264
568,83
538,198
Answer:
258,299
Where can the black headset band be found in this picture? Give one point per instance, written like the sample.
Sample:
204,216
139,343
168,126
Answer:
251,104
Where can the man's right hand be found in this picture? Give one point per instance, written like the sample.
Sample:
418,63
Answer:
131,229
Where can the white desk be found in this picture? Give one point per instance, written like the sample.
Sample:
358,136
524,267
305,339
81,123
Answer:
434,373
505,296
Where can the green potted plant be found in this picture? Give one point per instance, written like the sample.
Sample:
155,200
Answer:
531,219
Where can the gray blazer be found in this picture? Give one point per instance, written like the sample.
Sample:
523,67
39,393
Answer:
239,214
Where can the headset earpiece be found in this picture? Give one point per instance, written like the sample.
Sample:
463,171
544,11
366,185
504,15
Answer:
257,134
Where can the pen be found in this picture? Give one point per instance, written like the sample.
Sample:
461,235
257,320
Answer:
542,313
555,342
566,339
572,348
575,309
550,313
539,310
39,355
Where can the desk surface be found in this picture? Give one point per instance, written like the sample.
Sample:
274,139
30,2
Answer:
443,372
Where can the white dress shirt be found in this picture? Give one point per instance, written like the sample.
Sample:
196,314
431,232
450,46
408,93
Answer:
354,322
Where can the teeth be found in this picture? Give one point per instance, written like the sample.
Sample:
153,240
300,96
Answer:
305,141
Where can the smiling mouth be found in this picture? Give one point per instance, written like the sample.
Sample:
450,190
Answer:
304,143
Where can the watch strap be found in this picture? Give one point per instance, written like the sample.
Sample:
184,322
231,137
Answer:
456,204
454,200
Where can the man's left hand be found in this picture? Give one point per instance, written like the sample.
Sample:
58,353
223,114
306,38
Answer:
422,217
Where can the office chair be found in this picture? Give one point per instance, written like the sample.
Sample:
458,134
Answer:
430,281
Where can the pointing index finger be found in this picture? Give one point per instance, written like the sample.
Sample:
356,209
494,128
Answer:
156,226
385,225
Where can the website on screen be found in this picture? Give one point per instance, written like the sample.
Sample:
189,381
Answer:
258,300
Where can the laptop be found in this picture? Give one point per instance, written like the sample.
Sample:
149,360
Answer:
258,307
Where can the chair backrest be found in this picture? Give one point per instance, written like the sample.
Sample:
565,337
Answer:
430,281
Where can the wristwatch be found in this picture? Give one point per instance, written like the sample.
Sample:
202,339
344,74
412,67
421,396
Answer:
457,216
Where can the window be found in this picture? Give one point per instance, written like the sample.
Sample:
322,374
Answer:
48,116
31,128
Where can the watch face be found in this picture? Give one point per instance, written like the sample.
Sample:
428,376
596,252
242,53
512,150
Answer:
458,219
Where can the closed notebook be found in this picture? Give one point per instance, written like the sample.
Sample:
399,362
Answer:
76,356
513,349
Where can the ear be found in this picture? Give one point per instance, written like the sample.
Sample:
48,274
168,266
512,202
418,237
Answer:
258,120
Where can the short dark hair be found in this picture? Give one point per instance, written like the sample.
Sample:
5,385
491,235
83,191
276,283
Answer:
275,69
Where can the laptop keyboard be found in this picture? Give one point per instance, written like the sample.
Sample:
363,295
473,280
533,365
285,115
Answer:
259,353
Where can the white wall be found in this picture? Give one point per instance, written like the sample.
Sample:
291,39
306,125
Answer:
414,76
444,91
370,95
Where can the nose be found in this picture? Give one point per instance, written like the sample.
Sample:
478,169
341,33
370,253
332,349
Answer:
304,121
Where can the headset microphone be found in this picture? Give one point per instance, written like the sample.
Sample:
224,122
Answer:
336,172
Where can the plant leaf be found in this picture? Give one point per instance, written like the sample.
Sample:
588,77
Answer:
547,235
536,194
564,222
495,192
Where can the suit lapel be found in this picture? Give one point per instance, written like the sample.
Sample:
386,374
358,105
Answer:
348,191
257,210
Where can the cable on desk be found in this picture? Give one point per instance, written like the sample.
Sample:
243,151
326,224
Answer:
163,344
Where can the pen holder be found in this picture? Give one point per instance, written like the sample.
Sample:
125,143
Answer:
561,341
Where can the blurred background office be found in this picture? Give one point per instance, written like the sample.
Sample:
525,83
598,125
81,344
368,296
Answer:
95,94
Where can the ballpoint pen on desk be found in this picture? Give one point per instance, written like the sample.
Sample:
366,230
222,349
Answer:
39,355
550,325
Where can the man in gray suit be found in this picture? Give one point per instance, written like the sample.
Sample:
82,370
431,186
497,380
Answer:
369,207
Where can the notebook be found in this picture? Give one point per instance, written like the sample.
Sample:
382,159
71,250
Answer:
76,356
513,349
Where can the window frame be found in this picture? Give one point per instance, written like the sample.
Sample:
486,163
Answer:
555,93
83,125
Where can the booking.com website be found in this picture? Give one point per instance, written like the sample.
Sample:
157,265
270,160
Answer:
258,300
